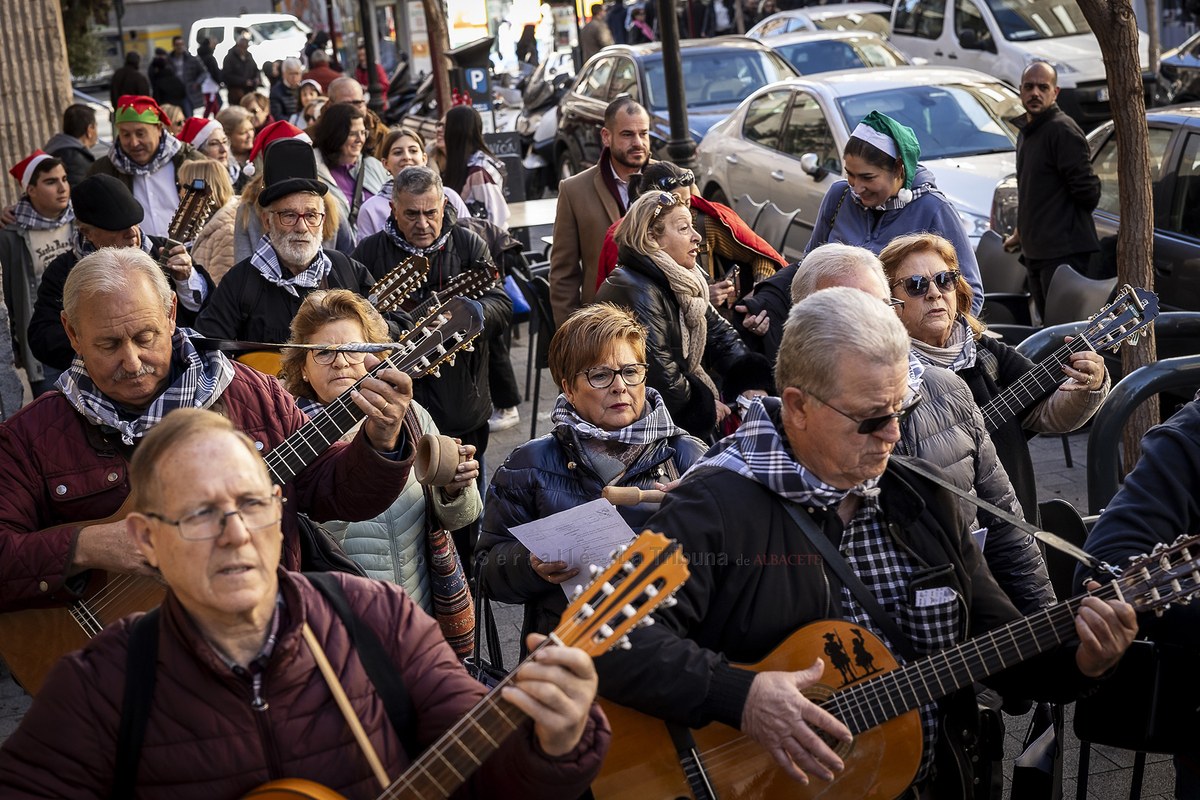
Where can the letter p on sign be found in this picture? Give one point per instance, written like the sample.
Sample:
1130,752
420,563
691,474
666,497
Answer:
477,79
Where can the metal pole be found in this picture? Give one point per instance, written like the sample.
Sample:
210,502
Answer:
332,32
680,147
371,44
691,21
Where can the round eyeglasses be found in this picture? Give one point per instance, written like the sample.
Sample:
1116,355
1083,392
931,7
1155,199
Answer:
918,285
209,523
327,357
603,377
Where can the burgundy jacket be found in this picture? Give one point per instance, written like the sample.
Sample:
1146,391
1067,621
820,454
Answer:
204,740
56,471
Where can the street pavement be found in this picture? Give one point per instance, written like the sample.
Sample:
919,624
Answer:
1111,769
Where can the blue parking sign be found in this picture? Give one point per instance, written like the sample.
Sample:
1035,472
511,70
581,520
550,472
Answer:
477,80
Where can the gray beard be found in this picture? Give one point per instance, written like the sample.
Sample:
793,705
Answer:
295,256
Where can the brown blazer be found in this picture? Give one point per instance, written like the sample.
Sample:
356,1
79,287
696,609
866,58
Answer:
586,209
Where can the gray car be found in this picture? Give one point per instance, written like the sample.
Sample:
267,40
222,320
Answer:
811,52
784,143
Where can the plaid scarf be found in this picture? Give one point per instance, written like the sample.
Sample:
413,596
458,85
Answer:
267,263
894,202
409,247
915,370
958,353
204,377
757,451
655,424
168,146
386,189
83,247
28,217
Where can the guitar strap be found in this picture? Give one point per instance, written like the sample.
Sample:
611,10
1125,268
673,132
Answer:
141,664
834,560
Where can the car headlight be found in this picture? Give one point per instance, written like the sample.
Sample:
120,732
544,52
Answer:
974,224
1060,66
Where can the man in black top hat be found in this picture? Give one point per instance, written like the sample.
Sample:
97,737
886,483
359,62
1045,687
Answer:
107,215
260,296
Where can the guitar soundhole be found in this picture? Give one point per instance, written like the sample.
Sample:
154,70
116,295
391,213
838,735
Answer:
841,748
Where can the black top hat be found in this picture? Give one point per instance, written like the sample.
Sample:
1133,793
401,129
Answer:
103,202
289,166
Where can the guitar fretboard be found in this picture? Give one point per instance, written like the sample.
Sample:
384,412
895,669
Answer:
1032,386
870,703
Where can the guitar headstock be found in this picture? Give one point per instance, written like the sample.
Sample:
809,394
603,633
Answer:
390,290
1123,318
450,327
472,284
642,576
196,205
1168,574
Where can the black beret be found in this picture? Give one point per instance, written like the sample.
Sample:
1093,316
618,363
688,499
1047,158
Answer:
103,202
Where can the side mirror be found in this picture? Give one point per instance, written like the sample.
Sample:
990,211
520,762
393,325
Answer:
968,40
808,163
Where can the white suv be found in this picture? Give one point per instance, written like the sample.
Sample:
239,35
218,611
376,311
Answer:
273,37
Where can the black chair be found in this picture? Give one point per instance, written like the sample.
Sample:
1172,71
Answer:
773,225
1061,518
537,294
749,210
1005,301
1071,297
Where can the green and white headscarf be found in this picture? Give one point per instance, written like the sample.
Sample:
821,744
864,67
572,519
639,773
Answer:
897,140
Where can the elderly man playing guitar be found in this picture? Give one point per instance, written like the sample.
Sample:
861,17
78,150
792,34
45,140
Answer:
249,665
803,520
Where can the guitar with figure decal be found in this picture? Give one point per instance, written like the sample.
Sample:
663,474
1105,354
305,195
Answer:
875,697
31,641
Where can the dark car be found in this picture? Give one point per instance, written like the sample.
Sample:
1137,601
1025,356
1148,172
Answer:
1175,184
717,75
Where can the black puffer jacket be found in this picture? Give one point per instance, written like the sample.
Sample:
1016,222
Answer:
459,401
640,286
947,429
545,476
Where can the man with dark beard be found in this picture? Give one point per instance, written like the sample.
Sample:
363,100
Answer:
258,298
590,202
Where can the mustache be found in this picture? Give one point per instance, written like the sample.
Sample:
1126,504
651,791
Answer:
122,375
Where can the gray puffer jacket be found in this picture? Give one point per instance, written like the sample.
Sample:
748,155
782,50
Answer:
947,430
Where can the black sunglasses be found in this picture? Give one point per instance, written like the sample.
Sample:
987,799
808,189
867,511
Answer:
669,182
872,424
918,285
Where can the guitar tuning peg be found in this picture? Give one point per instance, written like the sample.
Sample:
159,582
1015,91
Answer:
670,602
617,552
437,372
624,644
578,591
470,348
645,622
593,570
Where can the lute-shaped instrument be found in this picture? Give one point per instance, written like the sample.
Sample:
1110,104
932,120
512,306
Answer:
644,574
470,284
391,290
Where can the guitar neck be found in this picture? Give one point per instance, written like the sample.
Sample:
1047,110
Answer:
870,703
1032,386
455,288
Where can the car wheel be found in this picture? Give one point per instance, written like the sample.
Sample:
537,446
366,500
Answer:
566,166
716,195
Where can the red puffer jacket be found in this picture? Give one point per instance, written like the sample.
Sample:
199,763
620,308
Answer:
204,740
56,470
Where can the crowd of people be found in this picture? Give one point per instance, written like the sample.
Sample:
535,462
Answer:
789,412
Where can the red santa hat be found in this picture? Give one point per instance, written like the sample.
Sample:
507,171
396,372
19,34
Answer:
272,133
23,171
196,131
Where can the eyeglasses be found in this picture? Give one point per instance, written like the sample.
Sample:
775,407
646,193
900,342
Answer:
289,218
603,377
873,424
918,285
327,357
669,182
209,523
665,200
895,302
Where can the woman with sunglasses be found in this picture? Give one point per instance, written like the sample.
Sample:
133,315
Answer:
659,281
888,194
729,240
401,543
609,430
923,271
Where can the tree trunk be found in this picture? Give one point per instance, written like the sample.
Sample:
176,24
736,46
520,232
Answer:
1115,27
439,42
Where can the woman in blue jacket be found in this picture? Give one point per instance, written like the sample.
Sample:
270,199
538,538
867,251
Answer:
888,194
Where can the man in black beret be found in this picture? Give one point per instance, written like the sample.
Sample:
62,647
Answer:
107,215
259,296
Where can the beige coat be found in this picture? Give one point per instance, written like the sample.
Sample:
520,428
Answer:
213,247
586,209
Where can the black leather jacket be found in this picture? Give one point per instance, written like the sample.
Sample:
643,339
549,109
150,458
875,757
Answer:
640,286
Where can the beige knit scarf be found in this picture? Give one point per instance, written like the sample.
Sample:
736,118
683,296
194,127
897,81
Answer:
691,292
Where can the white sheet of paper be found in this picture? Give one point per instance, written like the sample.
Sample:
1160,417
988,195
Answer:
580,536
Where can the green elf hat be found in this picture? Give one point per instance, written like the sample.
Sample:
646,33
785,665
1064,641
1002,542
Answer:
897,140
139,108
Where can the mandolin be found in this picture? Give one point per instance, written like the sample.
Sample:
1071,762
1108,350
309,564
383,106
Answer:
32,640
643,575
875,697
1122,319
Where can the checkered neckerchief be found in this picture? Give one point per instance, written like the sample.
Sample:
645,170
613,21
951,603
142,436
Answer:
28,217
655,424
168,146
266,262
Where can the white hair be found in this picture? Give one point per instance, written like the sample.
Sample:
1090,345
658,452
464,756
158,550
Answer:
834,262
110,270
291,62
834,328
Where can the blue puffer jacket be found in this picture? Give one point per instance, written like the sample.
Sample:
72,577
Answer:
545,476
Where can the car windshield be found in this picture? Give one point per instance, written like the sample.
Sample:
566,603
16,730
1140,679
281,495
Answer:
853,21
833,54
712,77
1022,20
957,120
280,29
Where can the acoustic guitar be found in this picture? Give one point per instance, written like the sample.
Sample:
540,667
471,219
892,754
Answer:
643,575
865,688
32,640
470,284
1123,319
